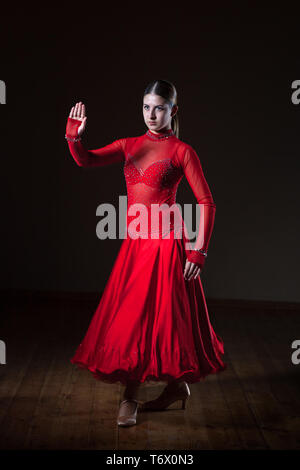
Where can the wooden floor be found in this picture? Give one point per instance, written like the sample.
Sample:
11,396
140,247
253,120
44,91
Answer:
48,403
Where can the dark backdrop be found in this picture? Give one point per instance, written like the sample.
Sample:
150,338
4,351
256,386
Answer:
233,69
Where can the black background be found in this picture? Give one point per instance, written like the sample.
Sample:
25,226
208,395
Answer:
233,68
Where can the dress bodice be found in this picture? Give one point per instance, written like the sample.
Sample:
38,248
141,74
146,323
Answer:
152,175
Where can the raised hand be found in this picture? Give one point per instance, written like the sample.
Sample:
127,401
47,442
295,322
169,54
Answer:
78,112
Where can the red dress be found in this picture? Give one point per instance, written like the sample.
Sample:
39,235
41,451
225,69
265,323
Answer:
151,324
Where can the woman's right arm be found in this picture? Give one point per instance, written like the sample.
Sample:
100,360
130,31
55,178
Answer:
111,153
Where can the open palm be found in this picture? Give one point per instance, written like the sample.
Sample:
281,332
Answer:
78,112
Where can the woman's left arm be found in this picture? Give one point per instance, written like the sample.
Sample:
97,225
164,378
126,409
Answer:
193,171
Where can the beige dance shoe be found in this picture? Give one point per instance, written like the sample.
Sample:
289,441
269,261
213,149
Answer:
127,412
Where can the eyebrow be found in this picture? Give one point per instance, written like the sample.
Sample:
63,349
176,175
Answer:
156,105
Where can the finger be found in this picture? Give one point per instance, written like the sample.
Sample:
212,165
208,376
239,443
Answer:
185,269
83,123
189,271
197,273
71,112
79,109
76,110
187,265
192,272
83,111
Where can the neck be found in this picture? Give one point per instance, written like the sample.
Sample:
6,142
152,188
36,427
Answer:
168,133
164,130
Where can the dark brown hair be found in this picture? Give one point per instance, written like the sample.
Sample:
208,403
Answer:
167,91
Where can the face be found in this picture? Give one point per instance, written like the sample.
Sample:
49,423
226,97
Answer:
157,113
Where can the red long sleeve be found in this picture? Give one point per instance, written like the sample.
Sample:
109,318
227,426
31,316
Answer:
107,155
192,169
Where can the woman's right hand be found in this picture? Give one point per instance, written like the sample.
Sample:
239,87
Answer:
78,113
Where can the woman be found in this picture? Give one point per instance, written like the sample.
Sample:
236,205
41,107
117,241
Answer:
152,321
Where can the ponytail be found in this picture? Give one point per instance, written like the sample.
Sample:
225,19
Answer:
175,124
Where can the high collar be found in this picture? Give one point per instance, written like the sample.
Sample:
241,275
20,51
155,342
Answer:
161,136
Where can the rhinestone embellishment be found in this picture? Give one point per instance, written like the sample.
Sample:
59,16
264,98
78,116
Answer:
159,137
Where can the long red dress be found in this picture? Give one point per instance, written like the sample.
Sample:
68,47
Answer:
151,324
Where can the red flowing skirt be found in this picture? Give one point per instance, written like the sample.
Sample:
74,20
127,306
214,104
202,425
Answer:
151,324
